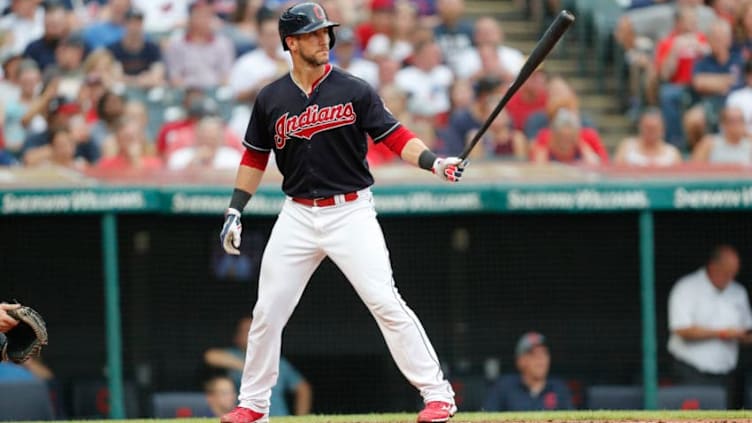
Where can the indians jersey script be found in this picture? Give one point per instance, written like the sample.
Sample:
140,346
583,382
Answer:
320,138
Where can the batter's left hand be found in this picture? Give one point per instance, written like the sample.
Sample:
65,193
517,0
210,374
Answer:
449,168
231,230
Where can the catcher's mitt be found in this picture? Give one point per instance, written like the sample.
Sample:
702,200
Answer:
26,339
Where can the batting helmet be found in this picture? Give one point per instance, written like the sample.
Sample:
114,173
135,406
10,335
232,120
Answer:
304,18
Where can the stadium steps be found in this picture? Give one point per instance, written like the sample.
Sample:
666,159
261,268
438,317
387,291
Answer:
522,32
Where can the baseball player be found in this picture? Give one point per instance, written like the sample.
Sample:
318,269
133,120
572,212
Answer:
316,120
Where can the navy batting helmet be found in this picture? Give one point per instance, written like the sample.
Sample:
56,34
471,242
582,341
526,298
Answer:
304,18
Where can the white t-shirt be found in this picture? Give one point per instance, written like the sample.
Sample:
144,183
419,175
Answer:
24,31
225,158
161,16
742,99
510,58
255,66
365,70
428,92
695,301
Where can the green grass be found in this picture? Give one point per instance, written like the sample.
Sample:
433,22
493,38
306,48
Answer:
544,417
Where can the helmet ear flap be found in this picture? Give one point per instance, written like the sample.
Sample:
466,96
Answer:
332,38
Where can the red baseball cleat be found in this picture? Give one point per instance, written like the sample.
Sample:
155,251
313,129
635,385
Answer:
437,411
244,415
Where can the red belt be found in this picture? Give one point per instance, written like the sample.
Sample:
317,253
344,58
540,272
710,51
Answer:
326,201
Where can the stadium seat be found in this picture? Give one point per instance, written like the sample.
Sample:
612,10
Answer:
614,397
691,397
91,399
470,392
25,400
180,404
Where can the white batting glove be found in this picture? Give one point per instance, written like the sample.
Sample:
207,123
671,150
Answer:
449,168
230,235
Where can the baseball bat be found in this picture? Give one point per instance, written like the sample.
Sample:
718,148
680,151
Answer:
555,31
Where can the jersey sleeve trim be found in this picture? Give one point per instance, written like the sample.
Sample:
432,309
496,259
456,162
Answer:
255,159
387,132
249,145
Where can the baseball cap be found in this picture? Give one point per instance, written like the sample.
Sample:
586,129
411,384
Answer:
384,5
528,341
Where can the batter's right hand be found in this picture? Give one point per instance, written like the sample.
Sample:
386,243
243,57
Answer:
230,235
449,169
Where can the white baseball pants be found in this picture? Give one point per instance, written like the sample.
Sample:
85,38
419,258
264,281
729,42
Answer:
351,236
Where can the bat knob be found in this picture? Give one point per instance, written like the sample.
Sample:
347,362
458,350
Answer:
565,14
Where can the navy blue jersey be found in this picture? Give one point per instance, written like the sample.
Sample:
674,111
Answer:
320,140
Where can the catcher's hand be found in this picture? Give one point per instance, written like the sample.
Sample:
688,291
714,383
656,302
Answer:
6,322
230,235
27,338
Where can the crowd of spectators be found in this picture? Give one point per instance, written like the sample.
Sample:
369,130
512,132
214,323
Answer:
691,60
128,85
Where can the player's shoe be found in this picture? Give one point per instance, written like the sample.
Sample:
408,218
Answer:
436,412
244,415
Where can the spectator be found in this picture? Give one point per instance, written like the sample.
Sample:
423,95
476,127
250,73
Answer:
63,153
397,44
531,389
132,152
566,141
742,97
380,21
243,28
651,24
490,57
530,99
24,24
161,17
16,113
253,70
109,108
208,151
465,120
135,111
454,33
67,69
62,114
288,379
111,30
139,58
347,58
427,83
182,132
42,50
713,78
648,148
709,316
726,9
6,322
743,31
560,95
729,146
202,57
221,395
675,57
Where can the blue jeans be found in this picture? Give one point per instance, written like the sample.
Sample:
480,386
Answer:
672,98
